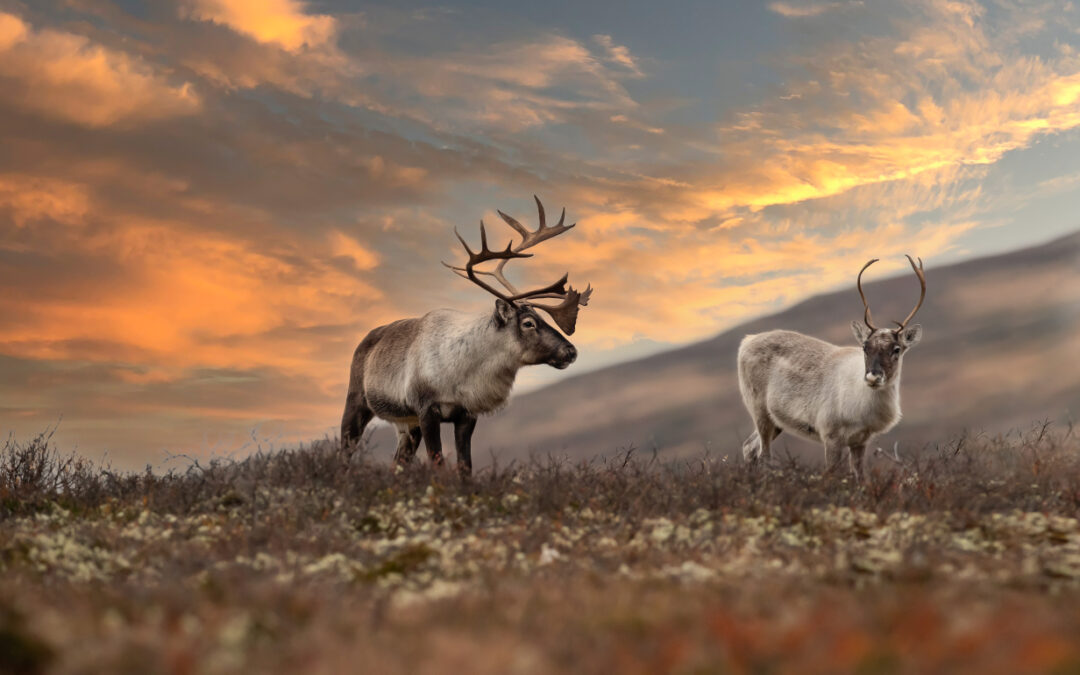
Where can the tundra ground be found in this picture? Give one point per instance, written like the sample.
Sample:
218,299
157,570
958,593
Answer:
965,558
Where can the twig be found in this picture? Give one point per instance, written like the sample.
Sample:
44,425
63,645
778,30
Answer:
894,457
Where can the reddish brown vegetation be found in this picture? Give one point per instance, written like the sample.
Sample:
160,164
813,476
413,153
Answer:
966,559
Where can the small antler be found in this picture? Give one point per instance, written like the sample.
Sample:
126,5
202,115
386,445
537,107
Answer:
922,292
866,315
565,313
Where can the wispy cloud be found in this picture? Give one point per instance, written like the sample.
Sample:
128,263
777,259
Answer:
802,10
618,54
950,90
516,84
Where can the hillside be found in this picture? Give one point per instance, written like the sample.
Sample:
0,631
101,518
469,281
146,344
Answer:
1001,349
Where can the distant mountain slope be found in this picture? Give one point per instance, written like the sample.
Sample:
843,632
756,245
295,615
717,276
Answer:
1001,349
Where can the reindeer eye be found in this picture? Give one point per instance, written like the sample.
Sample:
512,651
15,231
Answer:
896,351
528,323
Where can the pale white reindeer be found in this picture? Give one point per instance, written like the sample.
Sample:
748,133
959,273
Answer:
450,366
838,396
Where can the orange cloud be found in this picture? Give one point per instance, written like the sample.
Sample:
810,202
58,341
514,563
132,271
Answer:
283,23
33,198
344,245
65,76
182,299
12,31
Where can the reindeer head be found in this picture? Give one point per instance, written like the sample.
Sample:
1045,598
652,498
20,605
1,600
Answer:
538,341
514,310
883,348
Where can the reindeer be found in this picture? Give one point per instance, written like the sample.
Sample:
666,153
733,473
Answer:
448,366
838,396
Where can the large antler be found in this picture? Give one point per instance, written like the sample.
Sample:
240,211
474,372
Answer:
866,315
922,292
565,313
483,256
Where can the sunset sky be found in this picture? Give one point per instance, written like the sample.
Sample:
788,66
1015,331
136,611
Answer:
205,204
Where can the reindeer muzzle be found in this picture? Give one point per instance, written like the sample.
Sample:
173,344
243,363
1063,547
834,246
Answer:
564,357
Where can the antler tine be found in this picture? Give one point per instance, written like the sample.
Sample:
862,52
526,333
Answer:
585,295
485,254
512,222
558,288
543,219
858,282
496,273
922,293
530,238
465,243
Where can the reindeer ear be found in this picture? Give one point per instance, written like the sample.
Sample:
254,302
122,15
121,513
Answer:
504,313
862,333
911,335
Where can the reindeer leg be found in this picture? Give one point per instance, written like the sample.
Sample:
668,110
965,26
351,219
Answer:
756,445
750,448
834,452
776,432
464,424
855,460
406,446
356,418
430,419
766,431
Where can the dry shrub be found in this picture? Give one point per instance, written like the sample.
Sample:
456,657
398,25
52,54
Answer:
1037,469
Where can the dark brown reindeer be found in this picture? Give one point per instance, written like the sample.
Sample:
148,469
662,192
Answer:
449,366
838,396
